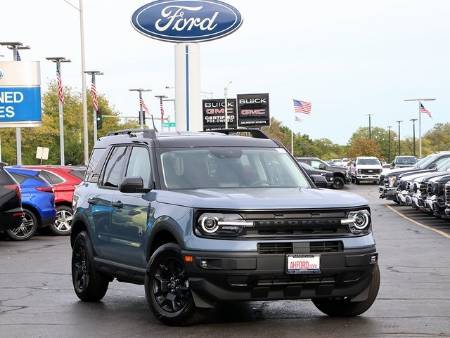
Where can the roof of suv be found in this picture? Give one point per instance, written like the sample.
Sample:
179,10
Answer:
226,138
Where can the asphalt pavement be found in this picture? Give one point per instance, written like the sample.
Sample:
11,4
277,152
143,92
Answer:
37,299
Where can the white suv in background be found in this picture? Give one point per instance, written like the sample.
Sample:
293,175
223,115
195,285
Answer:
366,169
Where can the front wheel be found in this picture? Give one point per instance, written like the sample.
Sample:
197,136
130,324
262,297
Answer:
347,308
167,286
338,183
26,229
89,285
63,222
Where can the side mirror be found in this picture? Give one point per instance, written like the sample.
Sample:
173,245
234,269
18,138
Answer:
322,166
319,181
433,166
132,185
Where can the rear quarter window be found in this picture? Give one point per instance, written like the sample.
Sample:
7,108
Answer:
5,179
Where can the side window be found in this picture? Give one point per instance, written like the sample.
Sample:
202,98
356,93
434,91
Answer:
95,165
139,165
315,164
112,176
19,178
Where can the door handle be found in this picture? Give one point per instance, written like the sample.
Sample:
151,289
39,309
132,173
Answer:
117,204
92,201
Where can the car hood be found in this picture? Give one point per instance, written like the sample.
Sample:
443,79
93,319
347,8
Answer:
336,168
399,171
261,198
429,175
407,176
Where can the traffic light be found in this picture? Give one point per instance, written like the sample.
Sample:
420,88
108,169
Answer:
99,119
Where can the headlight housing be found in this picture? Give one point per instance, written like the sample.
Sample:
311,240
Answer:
358,221
212,224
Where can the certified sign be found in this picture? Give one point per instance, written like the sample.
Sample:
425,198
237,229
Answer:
214,114
20,94
186,21
253,110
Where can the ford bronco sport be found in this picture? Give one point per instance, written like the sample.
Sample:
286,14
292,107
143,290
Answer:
205,218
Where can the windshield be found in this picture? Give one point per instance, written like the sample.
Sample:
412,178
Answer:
406,160
368,161
423,163
223,167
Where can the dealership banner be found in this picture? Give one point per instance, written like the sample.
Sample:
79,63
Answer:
253,110
214,114
20,94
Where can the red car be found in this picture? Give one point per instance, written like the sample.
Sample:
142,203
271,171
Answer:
63,180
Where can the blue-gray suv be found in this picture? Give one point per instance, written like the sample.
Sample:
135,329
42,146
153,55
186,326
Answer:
206,218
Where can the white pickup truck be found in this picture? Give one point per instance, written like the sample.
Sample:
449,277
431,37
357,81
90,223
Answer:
366,169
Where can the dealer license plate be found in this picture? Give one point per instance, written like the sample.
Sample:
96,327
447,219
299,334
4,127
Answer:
298,264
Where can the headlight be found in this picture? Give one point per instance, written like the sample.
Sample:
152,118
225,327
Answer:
359,171
358,221
392,181
218,224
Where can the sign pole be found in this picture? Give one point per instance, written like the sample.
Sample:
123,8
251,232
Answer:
420,133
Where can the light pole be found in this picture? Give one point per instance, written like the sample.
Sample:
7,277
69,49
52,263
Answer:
399,123
141,104
420,121
389,151
15,47
93,74
414,135
370,125
225,93
161,108
58,60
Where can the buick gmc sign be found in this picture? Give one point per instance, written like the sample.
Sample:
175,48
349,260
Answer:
186,21
253,110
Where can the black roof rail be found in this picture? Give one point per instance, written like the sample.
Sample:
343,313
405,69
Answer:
148,133
255,133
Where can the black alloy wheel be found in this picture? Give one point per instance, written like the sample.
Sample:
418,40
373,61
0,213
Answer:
89,285
26,229
338,183
167,286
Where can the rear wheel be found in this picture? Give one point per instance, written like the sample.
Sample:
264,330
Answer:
345,307
63,222
89,285
26,229
167,286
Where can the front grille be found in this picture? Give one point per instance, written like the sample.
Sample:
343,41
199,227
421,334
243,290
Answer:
447,194
300,248
369,171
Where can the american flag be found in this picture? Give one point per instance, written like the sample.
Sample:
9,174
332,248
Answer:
143,106
424,110
302,107
60,87
94,96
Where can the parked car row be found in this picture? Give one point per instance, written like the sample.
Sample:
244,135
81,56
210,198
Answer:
43,199
426,186
336,176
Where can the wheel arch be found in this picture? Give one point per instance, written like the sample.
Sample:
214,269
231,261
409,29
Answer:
164,232
34,210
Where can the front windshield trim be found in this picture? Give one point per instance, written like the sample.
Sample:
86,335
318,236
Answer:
258,161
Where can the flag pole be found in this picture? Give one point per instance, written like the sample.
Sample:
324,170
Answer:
420,132
292,142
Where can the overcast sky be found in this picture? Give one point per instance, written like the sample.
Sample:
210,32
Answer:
348,57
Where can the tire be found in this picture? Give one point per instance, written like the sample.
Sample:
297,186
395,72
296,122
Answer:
346,308
338,183
89,285
26,229
63,222
166,287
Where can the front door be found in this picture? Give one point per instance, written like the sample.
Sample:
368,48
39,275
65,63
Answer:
131,210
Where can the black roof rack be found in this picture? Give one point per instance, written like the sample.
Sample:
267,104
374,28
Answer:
255,133
147,133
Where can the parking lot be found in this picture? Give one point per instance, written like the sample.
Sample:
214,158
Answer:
37,299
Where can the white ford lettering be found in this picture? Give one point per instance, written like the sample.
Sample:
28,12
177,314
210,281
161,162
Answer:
174,19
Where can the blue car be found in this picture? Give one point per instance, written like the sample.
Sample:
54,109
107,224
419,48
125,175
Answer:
38,202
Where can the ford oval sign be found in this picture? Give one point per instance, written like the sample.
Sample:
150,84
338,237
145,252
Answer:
186,20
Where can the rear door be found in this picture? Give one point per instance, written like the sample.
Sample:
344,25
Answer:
9,199
130,211
101,200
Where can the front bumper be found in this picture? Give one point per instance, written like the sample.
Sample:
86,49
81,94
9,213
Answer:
389,193
224,276
362,177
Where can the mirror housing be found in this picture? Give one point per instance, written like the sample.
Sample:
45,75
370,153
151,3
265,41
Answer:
319,181
322,166
132,185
